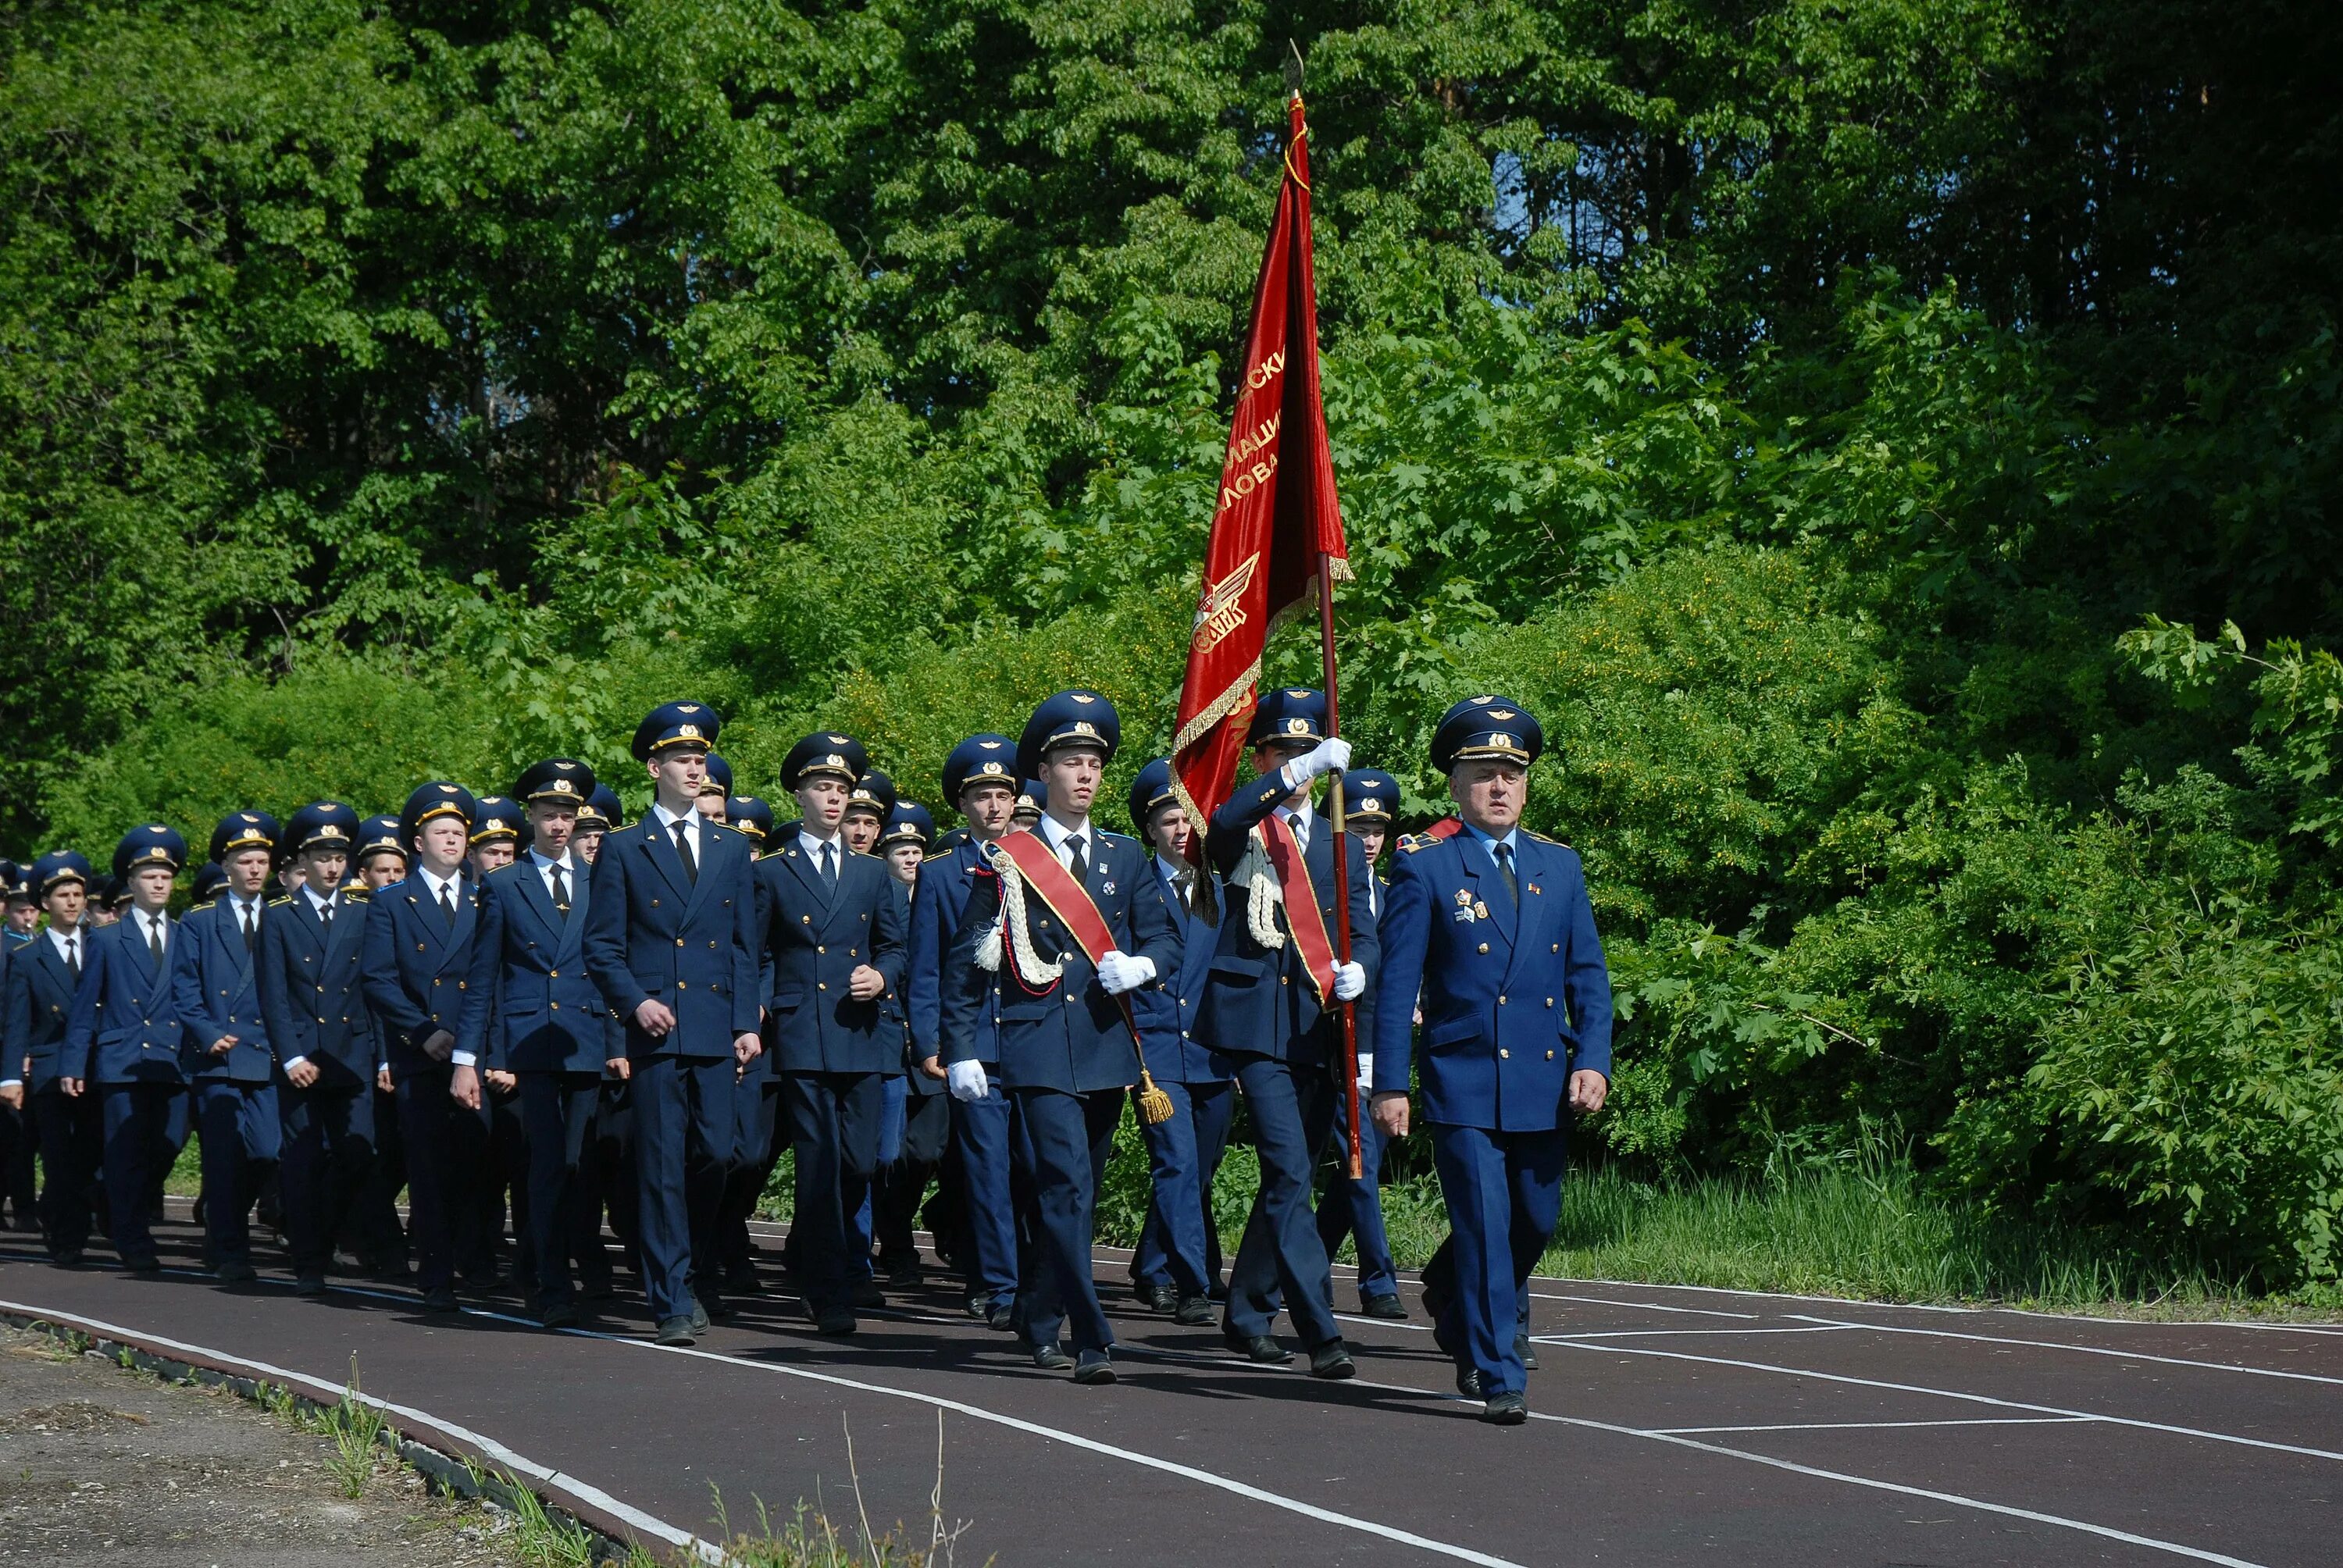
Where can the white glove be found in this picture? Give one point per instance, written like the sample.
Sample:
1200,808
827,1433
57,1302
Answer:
1324,758
966,1081
1120,972
1350,982
1366,1074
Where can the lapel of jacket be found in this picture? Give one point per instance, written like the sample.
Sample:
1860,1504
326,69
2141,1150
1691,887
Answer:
528,883
569,936
51,963
1488,887
133,938
712,849
658,848
796,864
468,915
347,931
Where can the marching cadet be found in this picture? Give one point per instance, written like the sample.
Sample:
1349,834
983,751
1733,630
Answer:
530,1010
716,791
499,824
868,803
500,828
601,813
608,1172
917,1128
670,942
16,1133
102,910
754,819
1491,926
123,1038
1031,798
1276,859
1053,943
831,928
231,1064
24,909
1176,1266
980,779
328,1054
1354,1209
418,965
379,1239
39,999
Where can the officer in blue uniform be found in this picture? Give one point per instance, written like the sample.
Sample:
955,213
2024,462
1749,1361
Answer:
231,1065
980,779
1353,1209
670,942
377,1236
123,1038
1067,1053
38,1001
831,931
918,1129
754,819
608,1174
531,1009
1033,797
716,791
1491,929
601,813
1263,1011
417,965
328,1057
499,826
1176,1266
17,1134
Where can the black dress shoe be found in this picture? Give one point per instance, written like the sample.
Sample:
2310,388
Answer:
867,1294
717,1308
676,1331
1157,1298
1506,1410
440,1299
560,1315
309,1285
1387,1308
903,1272
698,1316
1526,1351
1051,1357
67,1260
835,1322
1094,1367
235,1272
1195,1312
1259,1349
1332,1362
148,1265
740,1280
1001,1317
1468,1381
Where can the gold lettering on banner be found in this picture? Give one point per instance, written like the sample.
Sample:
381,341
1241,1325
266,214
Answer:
1222,610
1267,371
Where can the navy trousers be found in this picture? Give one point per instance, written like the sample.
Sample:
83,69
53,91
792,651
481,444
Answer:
1503,1192
756,1117
380,1236
327,1130
138,1150
683,1151
1179,1245
1066,1140
833,1121
1355,1209
239,1134
980,1143
447,1151
611,1185
72,1130
557,1113
1280,1256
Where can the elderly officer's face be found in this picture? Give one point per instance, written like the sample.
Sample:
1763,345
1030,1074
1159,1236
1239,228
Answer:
1071,775
247,871
550,825
1489,793
988,807
821,801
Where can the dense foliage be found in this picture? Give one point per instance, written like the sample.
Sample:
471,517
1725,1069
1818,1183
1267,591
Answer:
1847,423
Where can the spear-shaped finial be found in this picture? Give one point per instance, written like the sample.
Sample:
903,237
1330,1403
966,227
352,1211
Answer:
1292,69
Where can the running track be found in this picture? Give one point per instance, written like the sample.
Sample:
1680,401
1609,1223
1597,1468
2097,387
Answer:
1669,1425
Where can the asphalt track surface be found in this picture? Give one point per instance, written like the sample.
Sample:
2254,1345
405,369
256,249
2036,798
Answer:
1669,1425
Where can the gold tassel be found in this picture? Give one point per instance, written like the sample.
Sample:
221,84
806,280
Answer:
1154,1105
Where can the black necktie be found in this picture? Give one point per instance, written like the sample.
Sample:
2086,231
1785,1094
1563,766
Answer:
326,914
1185,881
448,904
1504,854
1079,846
155,938
73,955
1300,833
829,866
683,849
560,892
244,914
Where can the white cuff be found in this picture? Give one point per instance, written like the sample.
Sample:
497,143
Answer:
11,1083
463,1058
293,1061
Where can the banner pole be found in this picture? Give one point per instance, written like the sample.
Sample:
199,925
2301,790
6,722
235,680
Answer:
1341,860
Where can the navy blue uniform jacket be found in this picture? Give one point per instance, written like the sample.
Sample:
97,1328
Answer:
810,941
310,991
1260,1000
939,903
1071,1037
1513,1000
529,1006
417,966
36,1005
1169,1006
124,1026
653,934
214,984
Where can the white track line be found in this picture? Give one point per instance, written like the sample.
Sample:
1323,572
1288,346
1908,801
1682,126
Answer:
1642,1306
2078,1350
1561,1338
1879,1425
1940,1307
585,1491
1608,1348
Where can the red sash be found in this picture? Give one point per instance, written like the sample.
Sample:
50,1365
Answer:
1067,898
1303,916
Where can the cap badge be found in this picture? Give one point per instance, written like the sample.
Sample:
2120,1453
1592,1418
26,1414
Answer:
686,707
1369,803
990,745
1084,696
994,769
1483,701
689,731
1501,713
1297,727
1084,728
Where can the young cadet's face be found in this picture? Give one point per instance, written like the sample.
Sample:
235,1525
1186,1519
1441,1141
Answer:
66,903
1071,774
1489,793
712,804
381,869
679,776
903,861
293,875
861,830
587,844
988,808
495,855
23,914
95,918
150,885
247,872
1168,830
440,845
821,801
1370,842
1267,759
324,868
553,827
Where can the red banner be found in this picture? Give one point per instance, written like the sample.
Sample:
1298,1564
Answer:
1276,514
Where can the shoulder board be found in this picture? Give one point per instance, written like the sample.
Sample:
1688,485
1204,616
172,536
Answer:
1113,836
864,854
197,909
279,901
1446,828
359,895
719,830
1547,839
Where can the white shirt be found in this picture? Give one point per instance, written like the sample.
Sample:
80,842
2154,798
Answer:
70,934
545,870
319,903
151,926
245,912
1057,835
434,884
691,826
813,847
1301,819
